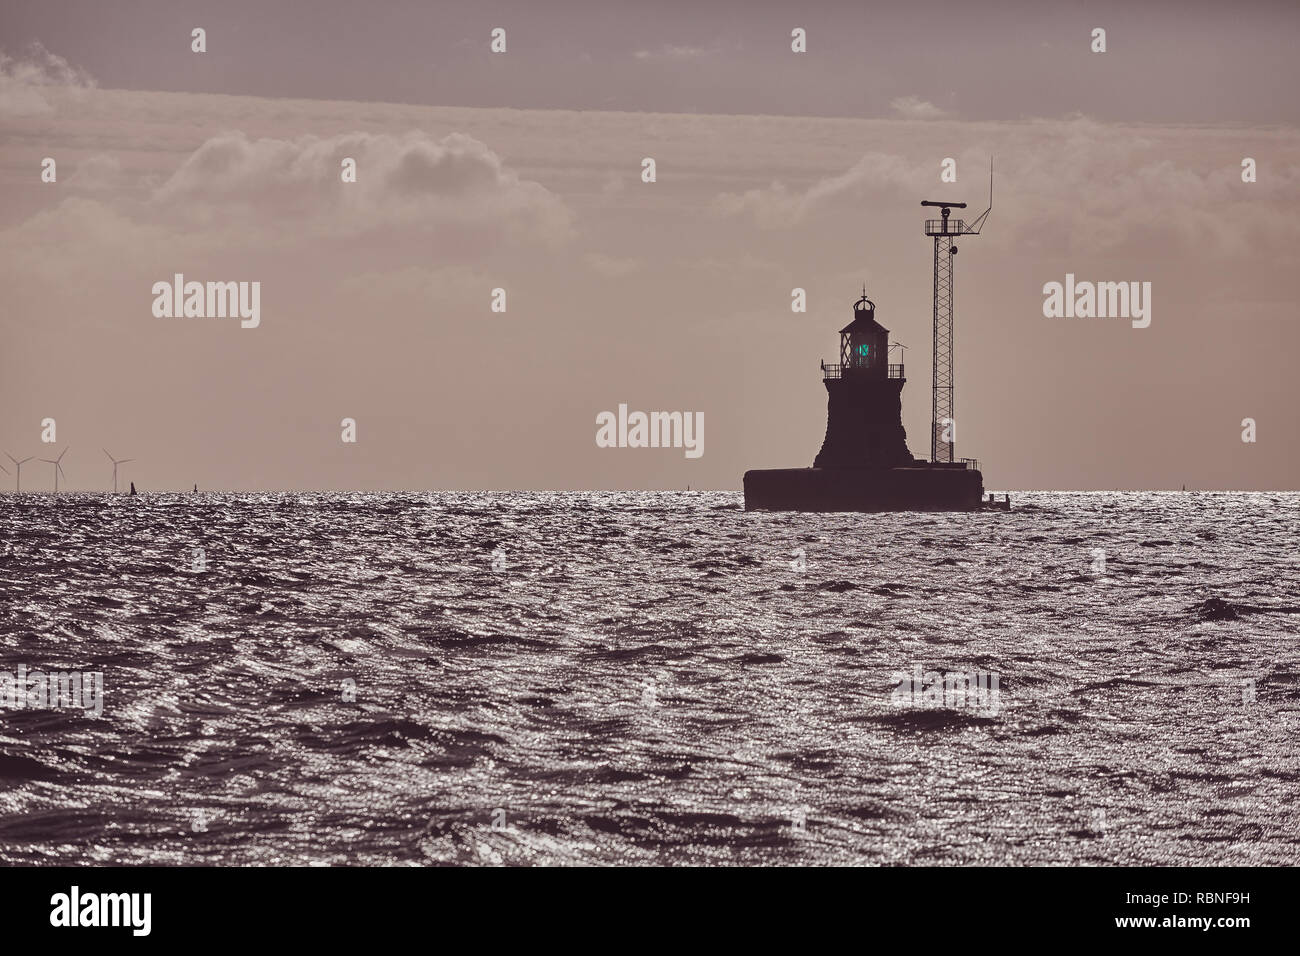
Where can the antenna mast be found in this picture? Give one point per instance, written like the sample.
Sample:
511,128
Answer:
945,231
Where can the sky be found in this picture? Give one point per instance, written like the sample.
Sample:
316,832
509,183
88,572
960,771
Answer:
522,170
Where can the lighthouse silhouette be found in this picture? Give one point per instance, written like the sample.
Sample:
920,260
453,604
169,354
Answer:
864,463
864,411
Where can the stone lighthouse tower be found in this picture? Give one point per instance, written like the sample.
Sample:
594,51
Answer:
864,415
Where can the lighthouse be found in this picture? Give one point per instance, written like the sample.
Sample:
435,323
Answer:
864,410
864,463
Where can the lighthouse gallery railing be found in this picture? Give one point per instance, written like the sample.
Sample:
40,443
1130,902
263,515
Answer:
837,371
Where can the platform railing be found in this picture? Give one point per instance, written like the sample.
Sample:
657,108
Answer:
945,227
837,371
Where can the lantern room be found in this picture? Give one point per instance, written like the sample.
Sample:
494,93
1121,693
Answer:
864,342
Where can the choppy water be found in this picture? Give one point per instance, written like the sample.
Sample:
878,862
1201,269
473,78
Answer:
650,678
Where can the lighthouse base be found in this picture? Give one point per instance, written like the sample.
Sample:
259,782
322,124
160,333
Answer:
921,487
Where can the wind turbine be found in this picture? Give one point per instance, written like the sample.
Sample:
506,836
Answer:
58,468
18,466
116,462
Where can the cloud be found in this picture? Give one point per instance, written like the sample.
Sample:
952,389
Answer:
411,180
235,199
27,82
1069,186
913,107
778,207
97,172
85,234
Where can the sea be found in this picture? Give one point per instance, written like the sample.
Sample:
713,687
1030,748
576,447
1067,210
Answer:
609,678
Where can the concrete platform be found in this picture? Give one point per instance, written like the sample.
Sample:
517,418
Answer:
921,487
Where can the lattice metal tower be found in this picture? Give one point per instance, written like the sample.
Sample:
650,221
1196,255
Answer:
945,231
